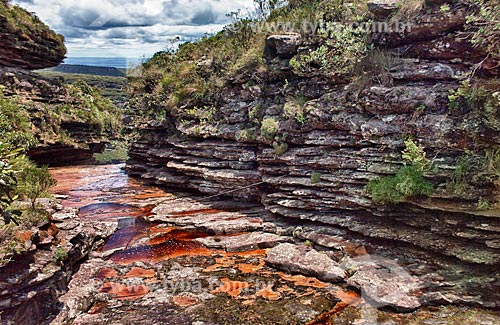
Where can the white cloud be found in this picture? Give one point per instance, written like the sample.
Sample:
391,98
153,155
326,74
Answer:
131,28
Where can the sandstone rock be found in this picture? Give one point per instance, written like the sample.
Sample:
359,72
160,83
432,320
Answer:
26,42
243,242
386,285
284,46
301,259
383,8
431,3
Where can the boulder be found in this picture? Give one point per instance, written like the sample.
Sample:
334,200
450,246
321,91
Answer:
383,8
385,284
284,46
304,260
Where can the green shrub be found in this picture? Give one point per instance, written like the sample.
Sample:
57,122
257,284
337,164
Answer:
294,108
15,126
34,182
416,156
59,254
343,50
117,152
280,147
247,135
483,204
484,22
315,178
269,128
408,182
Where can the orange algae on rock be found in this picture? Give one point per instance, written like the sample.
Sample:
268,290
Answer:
268,293
232,288
137,272
184,301
106,273
123,292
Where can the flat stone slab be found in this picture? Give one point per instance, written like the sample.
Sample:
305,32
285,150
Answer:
206,218
387,285
243,242
305,260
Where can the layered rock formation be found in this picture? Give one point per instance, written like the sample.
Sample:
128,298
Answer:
26,42
42,98
70,123
30,284
352,134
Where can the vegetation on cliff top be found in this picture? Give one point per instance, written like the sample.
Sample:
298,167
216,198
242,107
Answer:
188,84
29,27
196,74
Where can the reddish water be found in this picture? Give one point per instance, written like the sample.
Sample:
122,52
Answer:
105,193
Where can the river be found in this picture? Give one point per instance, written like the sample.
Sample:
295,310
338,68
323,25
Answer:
179,260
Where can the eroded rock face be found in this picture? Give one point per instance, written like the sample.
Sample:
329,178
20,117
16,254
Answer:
300,259
386,285
31,283
351,135
26,42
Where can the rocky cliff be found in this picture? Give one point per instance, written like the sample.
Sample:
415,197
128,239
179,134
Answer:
70,122
312,140
26,42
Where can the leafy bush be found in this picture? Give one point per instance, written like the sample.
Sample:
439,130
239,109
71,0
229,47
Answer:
416,156
485,26
294,108
116,152
34,182
15,127
247,135
280,147
269,128
408,182
315,178
343,50
59,254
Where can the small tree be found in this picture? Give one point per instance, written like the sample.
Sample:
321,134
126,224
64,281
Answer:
11,161
35,182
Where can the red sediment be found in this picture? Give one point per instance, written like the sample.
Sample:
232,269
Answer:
201,211
123,292
106,273
184,301
268,293
232,288
98,308
347,298
24,236
178,234
137,272
154,253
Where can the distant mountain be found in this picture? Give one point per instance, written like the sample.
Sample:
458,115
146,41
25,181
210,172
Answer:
85,69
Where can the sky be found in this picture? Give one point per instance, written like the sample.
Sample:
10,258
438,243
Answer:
132,28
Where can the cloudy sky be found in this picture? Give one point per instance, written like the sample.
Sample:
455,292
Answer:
131,28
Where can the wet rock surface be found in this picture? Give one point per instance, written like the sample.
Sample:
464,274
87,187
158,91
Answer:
352,134
301,259
162,272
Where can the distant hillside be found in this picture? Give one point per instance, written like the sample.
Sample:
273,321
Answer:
92,70
111,87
